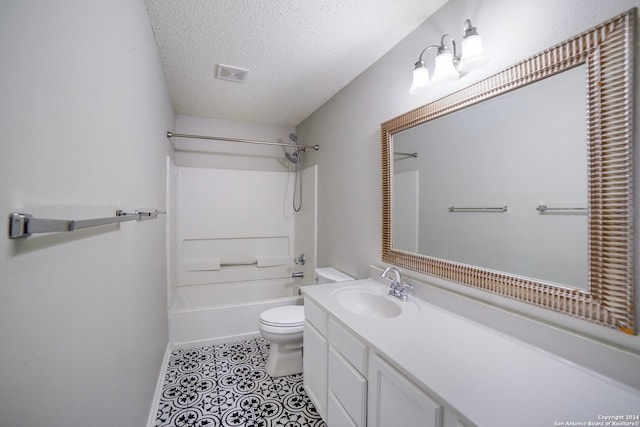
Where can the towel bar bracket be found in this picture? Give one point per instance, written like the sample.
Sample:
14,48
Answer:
18,225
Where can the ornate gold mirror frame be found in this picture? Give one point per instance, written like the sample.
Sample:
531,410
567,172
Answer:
607,51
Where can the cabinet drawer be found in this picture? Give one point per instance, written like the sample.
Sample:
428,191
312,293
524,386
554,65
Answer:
348,387
349,346
316,316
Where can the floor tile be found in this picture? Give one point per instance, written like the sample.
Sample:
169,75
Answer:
227,385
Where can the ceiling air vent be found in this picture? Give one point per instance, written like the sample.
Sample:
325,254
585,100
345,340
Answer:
233,74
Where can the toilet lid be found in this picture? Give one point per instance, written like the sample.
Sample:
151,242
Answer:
287,315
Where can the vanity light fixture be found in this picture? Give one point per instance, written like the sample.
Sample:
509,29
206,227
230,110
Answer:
449,65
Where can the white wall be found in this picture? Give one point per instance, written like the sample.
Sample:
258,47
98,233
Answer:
347,128
83,111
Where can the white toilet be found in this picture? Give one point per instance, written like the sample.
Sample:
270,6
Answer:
283,327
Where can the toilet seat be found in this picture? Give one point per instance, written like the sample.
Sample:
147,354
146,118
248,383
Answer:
281,330
289,316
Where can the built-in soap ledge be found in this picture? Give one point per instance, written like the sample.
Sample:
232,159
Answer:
272,261
217,264
209,265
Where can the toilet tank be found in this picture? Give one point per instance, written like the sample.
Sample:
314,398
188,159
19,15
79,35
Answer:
331,275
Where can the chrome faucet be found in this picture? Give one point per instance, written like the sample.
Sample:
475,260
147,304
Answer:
397,288
300,260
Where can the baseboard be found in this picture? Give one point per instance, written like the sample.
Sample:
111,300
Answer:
214,341
156,396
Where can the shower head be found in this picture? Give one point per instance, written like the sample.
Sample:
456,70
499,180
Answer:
292,157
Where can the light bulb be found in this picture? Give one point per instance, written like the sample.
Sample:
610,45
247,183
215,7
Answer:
444,71
420,79
473,55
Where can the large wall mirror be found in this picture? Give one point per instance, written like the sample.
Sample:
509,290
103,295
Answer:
521,184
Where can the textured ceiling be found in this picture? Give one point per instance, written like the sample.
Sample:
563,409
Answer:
299,53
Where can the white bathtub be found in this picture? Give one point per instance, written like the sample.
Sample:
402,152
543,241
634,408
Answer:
207,314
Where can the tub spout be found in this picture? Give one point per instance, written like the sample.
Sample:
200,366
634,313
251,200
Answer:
298,275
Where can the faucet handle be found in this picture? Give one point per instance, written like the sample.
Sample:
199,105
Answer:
406,285
404,288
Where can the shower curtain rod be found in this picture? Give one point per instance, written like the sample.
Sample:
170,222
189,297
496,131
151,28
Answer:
246,141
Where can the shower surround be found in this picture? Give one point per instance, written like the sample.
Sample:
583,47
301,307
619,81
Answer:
235,248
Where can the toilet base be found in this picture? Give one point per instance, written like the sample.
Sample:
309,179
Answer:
283,327
284,359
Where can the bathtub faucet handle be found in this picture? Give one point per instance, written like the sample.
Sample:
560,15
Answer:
300,260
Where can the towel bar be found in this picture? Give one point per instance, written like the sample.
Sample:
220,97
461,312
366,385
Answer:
478,209
24,225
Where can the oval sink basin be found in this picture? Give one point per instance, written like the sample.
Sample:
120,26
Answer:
368,304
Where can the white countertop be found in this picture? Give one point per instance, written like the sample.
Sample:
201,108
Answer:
491,378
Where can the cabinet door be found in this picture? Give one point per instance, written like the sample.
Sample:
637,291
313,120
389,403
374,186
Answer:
315,368
396,401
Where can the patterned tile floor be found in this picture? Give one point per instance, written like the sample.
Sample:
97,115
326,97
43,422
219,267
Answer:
227,385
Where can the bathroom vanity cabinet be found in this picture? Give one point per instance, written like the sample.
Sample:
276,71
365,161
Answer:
352,385
371,360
